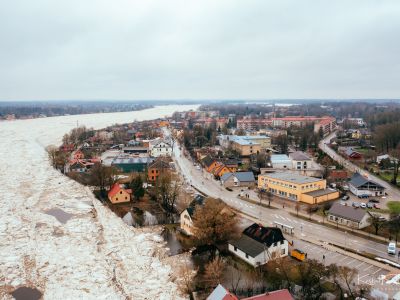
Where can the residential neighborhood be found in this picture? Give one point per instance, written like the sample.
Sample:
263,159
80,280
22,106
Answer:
201,170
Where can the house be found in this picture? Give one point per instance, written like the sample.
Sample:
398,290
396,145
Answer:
281,161
135,150
338,176
232,164
161,148
209,163
239,179
257,245
132,164
350,216
220,169
352,154
155,169
186,217
362,186
273,295
79,154
117,194
297,187
77,165
221,293
300,160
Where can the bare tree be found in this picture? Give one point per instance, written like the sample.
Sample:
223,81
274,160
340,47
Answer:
214,223
102,176
297,207
376,222
167,191
213,272
186,275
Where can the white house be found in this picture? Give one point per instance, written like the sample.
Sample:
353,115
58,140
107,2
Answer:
186,217
281,161
349,216
259,244
300,160
362,186
161,148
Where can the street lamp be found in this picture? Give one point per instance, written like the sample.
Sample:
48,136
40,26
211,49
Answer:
345,240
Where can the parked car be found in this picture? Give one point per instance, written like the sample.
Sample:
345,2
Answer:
376,206
374,200
363,196
363,205
370,205
356,204
346,197
391,248
198,167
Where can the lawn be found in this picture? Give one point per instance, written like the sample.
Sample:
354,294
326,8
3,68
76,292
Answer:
394,207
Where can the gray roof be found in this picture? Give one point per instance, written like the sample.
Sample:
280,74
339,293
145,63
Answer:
347,212
245,176
226,176
299,155
291,177
248,245
132,160
318,193
358,180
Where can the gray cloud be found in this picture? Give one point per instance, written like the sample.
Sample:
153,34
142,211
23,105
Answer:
126,49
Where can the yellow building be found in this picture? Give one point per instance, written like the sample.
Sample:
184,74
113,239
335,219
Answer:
245,147
297,187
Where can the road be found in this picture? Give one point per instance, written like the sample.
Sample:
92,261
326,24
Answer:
393,193
204,182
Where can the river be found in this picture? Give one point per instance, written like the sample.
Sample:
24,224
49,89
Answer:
56,237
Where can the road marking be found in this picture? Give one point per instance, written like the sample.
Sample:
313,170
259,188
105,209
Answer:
377,271
368,268
354,260
359,265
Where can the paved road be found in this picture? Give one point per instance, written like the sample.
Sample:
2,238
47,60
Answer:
203,181
394,193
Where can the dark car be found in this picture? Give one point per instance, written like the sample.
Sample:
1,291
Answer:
374,200
370,205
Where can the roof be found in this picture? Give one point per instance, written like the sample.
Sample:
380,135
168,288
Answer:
319,193
207,160
350,152
221,293
274,295
299,155
159,164
226,176
347,212
132,160
265,235
242,140
198,200
248,245
115,190
279,158
358,180
245,176
293,178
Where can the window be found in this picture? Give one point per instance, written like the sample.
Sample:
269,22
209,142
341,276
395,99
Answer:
247,256
235,248
120,192
283,251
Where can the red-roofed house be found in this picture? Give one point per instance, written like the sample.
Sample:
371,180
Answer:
274,295
79,154
117,194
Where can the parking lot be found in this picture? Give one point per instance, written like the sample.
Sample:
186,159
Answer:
367,273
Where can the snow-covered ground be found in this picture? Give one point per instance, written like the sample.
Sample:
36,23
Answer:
93,255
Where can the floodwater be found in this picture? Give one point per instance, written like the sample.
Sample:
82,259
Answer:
26,293
59,214
97,253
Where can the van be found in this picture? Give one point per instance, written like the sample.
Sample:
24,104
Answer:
391,248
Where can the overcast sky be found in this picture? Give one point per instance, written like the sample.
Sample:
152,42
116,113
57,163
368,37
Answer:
127,49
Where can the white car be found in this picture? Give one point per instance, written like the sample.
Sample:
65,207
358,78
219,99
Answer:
363,205
392,248
198,167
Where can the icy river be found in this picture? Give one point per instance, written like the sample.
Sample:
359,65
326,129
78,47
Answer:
56,237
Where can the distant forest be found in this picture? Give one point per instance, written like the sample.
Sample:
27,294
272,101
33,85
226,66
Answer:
24,110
